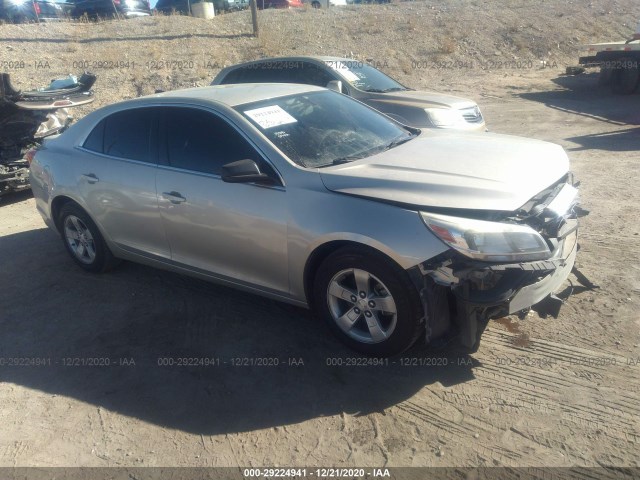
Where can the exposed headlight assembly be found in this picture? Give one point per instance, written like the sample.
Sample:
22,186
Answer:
488,241
444,117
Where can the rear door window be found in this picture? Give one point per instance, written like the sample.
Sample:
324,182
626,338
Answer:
95,140
130,134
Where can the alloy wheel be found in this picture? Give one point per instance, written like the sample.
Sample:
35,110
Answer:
79,239
362,306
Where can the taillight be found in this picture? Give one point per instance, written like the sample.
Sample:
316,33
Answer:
62,103
116,2
36,7
30,154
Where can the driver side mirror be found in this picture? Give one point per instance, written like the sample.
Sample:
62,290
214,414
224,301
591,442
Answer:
244,171
335,85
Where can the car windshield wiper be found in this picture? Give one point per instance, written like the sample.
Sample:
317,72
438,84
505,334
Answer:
351,158
399,141
346,159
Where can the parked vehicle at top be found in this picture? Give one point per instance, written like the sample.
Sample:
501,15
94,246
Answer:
26,118
183,6
304,195
262,4
619,63
323,3
110,8
17,11
366,84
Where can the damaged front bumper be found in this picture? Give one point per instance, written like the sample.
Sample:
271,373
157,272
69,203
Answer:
461,295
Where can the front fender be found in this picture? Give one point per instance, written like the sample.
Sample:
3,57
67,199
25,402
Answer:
322,217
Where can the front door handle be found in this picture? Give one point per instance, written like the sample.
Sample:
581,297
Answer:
173,197
90,178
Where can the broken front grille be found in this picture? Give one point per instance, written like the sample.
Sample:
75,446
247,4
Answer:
544,220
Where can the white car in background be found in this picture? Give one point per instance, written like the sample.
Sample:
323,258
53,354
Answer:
365,83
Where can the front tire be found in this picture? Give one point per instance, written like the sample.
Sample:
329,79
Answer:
83,240
368,302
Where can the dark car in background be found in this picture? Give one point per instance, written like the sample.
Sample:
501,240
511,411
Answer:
184,6
110,8
16,11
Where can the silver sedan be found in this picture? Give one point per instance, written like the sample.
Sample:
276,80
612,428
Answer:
310,197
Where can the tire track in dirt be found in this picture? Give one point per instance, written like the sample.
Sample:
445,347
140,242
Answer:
514,409
456,435
578,400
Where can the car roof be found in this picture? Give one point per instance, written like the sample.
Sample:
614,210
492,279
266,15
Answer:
311,58
230,95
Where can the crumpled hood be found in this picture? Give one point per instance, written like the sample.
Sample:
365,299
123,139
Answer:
423,99
479,171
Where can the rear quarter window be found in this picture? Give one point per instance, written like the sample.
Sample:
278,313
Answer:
94,141
129,134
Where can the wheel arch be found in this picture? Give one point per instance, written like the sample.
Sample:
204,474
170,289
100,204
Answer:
322,252
57,205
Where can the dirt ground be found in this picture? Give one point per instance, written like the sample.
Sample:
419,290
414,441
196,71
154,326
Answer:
539,392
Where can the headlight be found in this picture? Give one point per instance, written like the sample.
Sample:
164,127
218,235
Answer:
444,117
17,3
488,241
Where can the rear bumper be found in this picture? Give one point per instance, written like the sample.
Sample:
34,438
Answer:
135,14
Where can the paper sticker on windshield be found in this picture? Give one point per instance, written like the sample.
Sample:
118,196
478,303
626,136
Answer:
268,117
342,69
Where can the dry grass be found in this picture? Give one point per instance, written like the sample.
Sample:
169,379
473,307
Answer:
396,35
447,45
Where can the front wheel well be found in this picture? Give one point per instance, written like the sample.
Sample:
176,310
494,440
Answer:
320,254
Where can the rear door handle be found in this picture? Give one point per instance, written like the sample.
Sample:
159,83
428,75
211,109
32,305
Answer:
174,197
90,177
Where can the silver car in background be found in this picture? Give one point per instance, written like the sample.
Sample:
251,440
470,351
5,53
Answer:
307,196
365,83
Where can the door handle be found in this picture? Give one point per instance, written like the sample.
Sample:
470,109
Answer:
173,197
90,178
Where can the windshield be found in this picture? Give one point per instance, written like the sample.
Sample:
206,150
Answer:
324,128
364,77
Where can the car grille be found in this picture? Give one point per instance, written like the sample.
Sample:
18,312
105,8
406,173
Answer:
472,114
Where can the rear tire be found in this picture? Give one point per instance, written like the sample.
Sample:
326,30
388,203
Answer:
83,240
368,302
604,77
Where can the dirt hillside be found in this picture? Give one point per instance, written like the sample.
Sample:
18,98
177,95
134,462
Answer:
449,46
